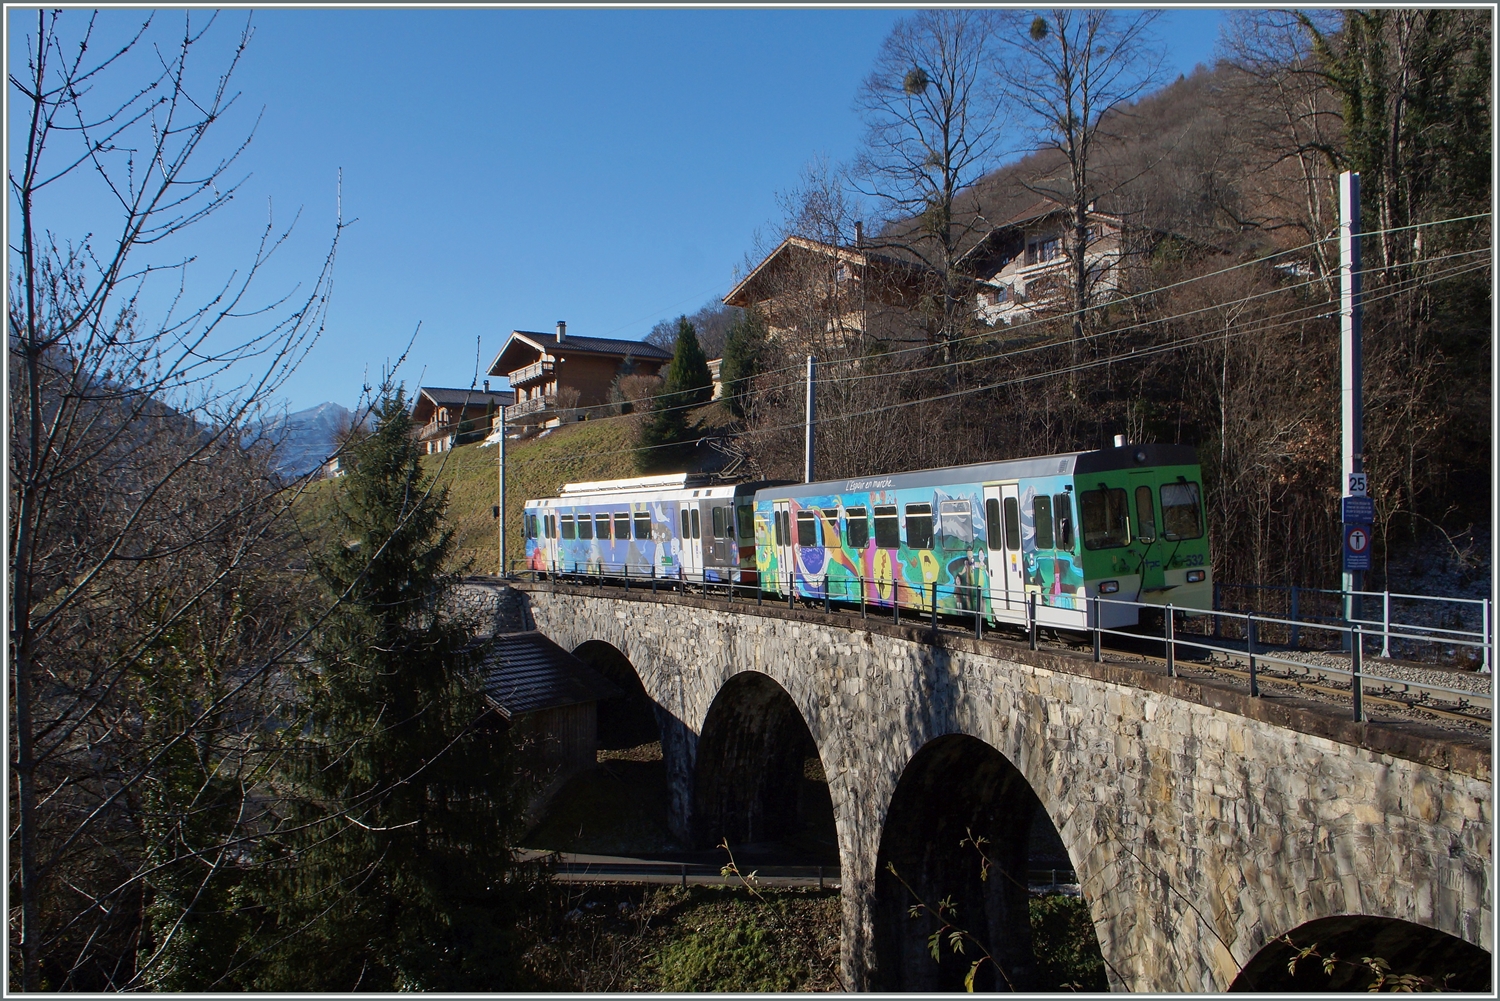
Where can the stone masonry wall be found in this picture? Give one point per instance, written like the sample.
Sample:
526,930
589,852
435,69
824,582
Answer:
1202,824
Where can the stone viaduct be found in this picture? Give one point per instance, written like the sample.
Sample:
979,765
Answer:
1203,824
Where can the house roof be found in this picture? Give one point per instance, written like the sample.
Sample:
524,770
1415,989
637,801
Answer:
740,294
429,398
527,672
522,344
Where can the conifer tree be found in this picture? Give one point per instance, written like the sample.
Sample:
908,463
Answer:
744,350
688,383
395,875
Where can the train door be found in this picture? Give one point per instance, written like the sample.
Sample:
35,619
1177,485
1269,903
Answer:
1002,506
786,561
690,529
1146,547
724,553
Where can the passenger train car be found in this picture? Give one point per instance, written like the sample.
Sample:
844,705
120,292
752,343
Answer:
1124,523
677,525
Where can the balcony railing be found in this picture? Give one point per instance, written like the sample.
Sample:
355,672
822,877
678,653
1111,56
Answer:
532,372
518,413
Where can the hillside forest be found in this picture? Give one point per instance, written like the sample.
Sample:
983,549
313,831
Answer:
246,746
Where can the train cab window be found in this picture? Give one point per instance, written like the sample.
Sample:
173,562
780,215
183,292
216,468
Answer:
697,525
1181,514
856,528
1145,514
746,514
887,528
955,525
622,525
1012,525
642,526
919,526
567,526
1106,525
585,527
1062,521
1041,517
807,528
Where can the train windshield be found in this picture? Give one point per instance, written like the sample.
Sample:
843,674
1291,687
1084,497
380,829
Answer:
1181,514
1106,525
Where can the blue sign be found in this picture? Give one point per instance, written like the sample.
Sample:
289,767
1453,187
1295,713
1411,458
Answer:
1359,511
1356,547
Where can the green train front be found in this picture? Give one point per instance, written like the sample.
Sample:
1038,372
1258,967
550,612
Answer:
1125,523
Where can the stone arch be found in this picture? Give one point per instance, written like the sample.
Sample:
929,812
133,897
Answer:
625,722
758,776
1408,948
953,786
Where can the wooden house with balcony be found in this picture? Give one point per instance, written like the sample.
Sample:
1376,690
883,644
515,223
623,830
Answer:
448,417
553,374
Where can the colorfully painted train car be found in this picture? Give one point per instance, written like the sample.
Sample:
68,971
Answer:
1125,523
677,525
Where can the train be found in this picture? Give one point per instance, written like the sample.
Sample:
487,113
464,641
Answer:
1012,541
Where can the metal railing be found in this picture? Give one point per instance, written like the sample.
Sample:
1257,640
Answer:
1232,633
1411,620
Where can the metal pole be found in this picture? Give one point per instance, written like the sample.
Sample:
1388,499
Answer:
500,452
1385,627
1217,623
978,616
934,608
1031,620
1171,645
1351,365
1250,646
807,443
1356,680
862,613
1485,667
1296,622
1098,624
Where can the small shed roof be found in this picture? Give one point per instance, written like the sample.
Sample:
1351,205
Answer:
527,672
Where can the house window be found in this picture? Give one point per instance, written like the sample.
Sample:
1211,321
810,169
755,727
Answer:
840,273
1042,249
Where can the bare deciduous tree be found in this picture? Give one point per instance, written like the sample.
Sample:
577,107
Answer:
136,516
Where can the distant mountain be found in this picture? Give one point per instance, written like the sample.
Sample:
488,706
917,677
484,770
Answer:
305,439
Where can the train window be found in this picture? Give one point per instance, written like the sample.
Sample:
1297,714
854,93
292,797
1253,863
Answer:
567,526
955,525
856,528
1106,525
642,526
746,514
1041,517
697,525
1145,514
1012,525
601,526
779,532
919,526
585,527
1062,521
1181,514
622,525
992,521
887,528
718,523
807,528
685,532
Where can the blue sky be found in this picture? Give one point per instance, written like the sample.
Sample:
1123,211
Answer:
511,168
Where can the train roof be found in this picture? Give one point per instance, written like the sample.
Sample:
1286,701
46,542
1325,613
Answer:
672,486
1066,463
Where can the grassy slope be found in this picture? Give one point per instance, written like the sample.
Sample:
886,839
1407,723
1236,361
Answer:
592,450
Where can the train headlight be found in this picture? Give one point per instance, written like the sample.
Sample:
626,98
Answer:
1194,576
1109,587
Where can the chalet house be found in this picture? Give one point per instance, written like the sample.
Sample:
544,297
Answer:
449,417
552,374
1021,266
822,290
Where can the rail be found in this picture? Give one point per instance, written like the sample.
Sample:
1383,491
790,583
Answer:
1234,634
